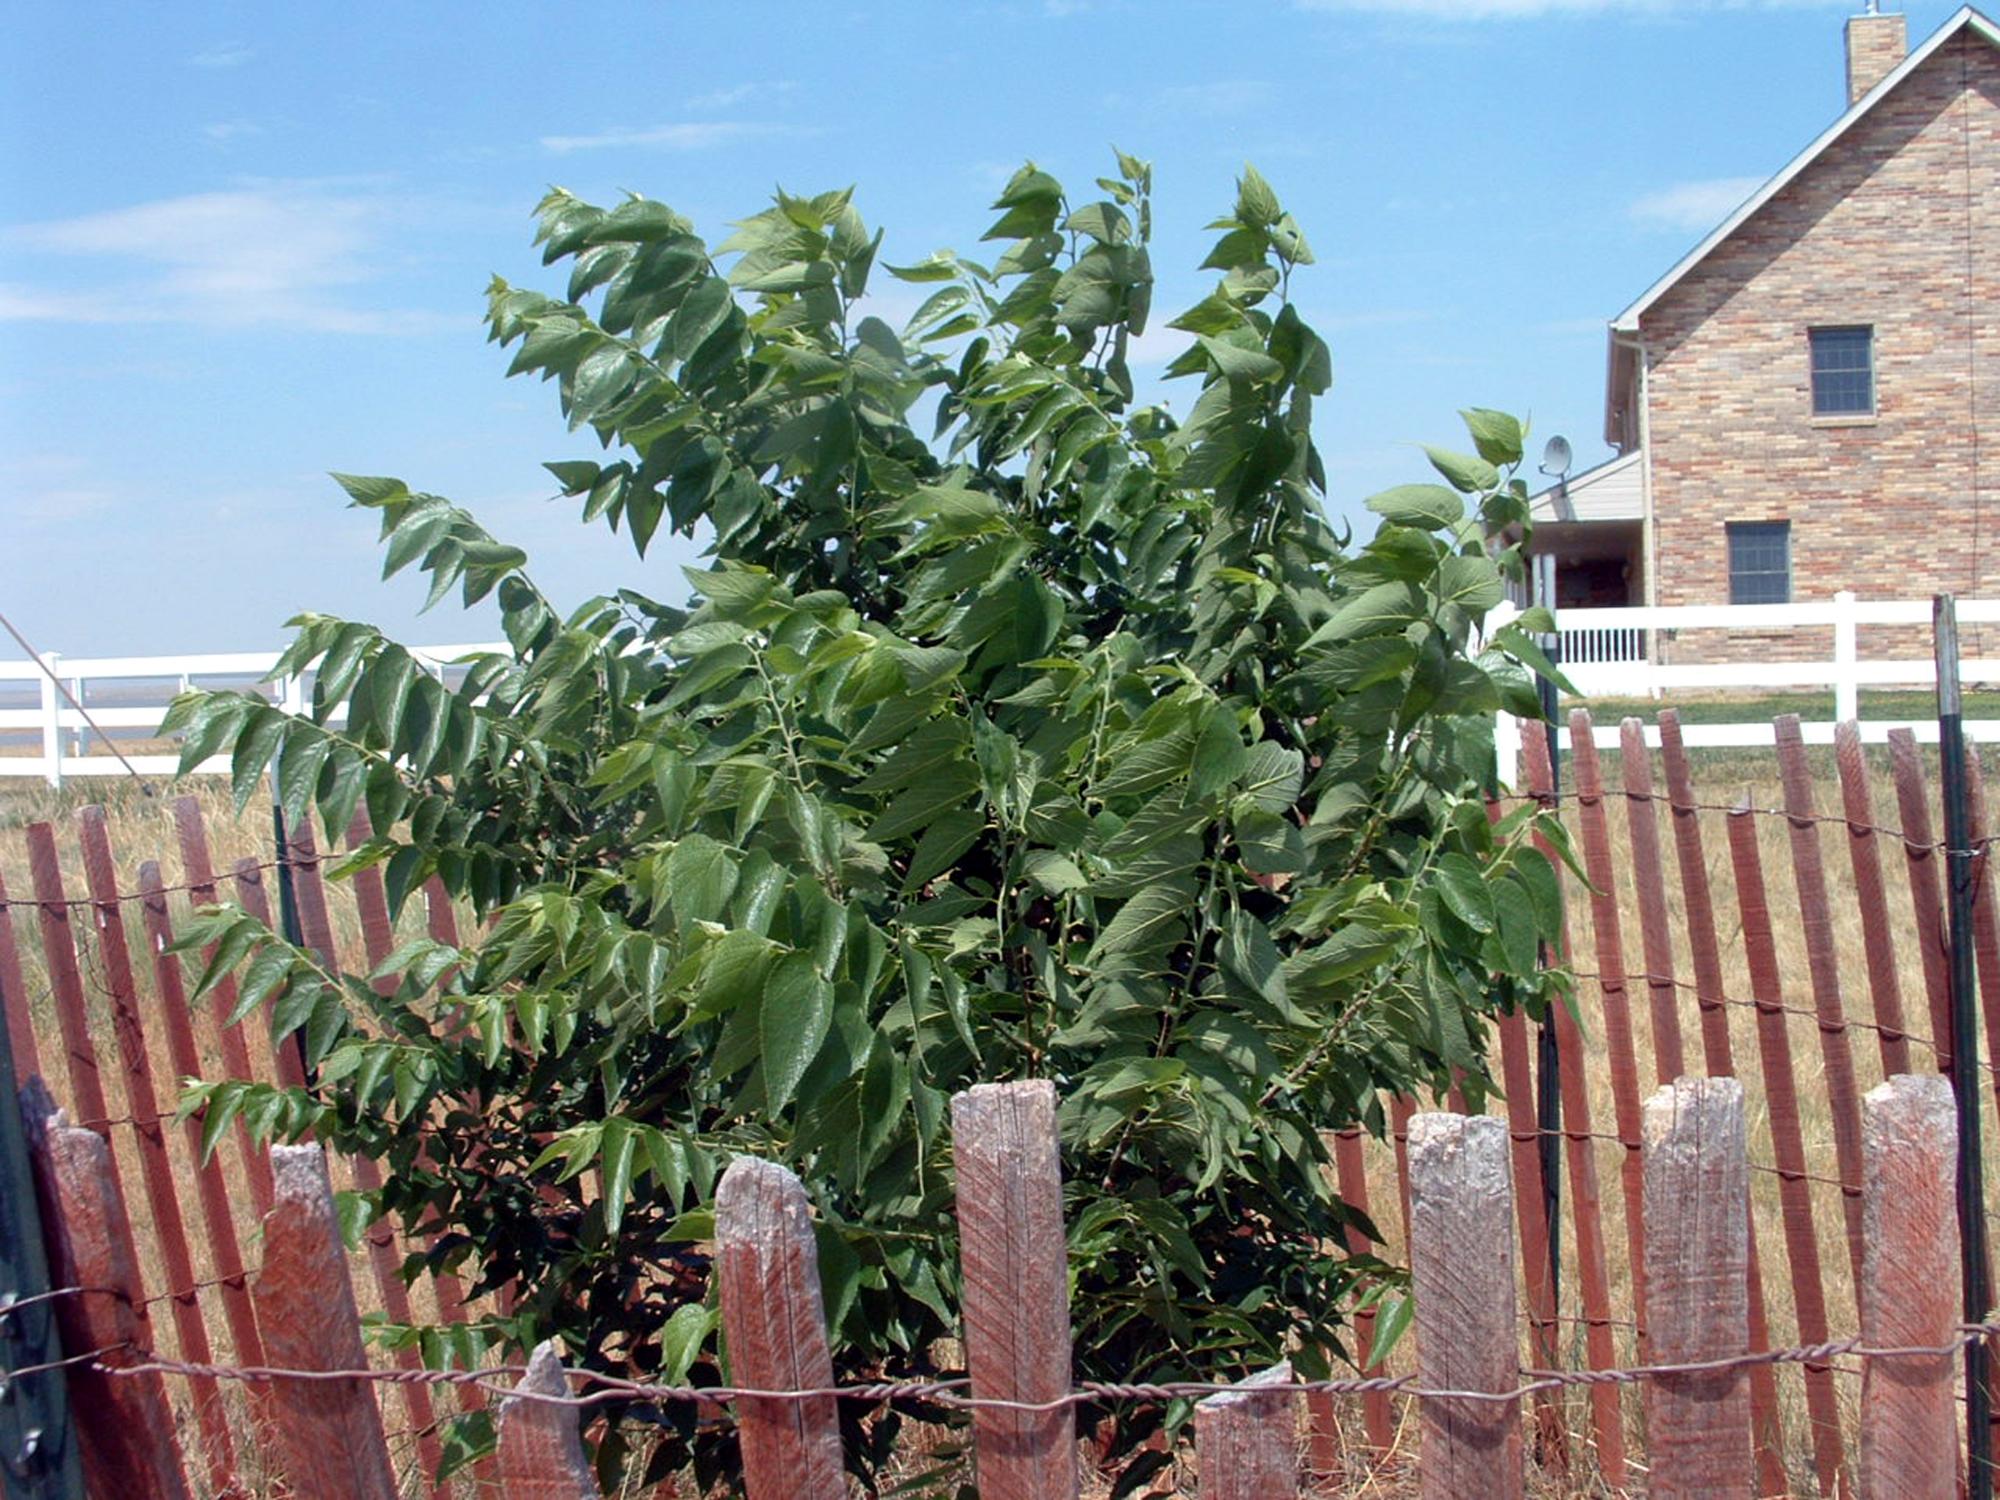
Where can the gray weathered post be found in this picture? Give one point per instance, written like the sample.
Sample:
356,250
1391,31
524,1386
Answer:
1697,1278
1246,1440
1909,1291
1462,1270
329,1431
541,1453
1015,1269
123,1424
776,1323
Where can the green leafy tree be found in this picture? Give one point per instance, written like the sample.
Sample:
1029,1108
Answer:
1067,739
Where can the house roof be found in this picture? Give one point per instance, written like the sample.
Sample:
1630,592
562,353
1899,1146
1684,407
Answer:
1610,492
1628,320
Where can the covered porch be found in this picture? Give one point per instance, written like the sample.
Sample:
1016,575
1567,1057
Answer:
1588,551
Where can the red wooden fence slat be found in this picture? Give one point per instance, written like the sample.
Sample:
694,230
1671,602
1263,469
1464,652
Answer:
316,928
1925,867
1865,857
1843,1096
330,1436
1016,1287
541,1455
1910,1299
1245,1440
1985,924
1351,1182
1718,1057
378,941
123,1423
1462,1275
254,897
1586,1210
1531,1214
768,1268
1649,883
14,1000
149,1131
1613,989
224,1243
1781,1102
66,983
1698,1218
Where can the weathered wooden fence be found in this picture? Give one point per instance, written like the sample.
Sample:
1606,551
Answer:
1469,1386
1838,982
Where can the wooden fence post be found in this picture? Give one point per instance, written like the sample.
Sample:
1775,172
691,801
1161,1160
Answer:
1909,1297
541,1453
1462,1271
1697,1248
1246,1440
776,1324
329,1431
123,1423
1014,1267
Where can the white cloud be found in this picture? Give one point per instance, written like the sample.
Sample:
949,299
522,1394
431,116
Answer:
224,131
227,55
1229,96
691,135
1694,206
742,93
275,255
1512,10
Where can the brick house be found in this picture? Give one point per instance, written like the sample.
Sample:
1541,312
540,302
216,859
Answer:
1801,404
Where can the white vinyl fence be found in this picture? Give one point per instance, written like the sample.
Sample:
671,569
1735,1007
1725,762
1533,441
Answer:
126,697
1605,653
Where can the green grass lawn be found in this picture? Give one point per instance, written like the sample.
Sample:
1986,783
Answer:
1750,708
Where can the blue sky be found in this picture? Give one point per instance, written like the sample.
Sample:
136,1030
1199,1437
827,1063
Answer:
246,244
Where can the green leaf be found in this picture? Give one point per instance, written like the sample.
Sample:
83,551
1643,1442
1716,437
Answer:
1496,435
1430,506
1465,473
1465,891
797,1014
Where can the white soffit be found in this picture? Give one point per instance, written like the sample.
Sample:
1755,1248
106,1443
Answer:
1613,491
1628,320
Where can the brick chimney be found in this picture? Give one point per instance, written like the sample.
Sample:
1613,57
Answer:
1875,44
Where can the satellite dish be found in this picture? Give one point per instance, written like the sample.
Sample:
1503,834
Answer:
1556,457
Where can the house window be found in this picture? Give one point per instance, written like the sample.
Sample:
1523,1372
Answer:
1843,371
1760,562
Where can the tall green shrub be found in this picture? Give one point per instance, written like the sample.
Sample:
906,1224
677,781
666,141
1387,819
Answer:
1065,738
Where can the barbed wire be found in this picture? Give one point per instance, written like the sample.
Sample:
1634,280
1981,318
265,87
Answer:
213,883
953,1392
1739,809
1804,1012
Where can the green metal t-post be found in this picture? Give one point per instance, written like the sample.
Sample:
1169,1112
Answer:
38,1459
1962,869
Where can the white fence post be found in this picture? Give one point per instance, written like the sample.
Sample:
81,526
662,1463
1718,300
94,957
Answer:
1846,681
52,749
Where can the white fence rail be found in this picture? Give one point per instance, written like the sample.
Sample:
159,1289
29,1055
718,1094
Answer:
126,697
1604,654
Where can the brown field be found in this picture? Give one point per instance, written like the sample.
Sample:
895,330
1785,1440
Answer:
141,829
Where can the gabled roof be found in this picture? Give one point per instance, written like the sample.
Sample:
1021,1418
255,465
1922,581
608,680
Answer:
1628,320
